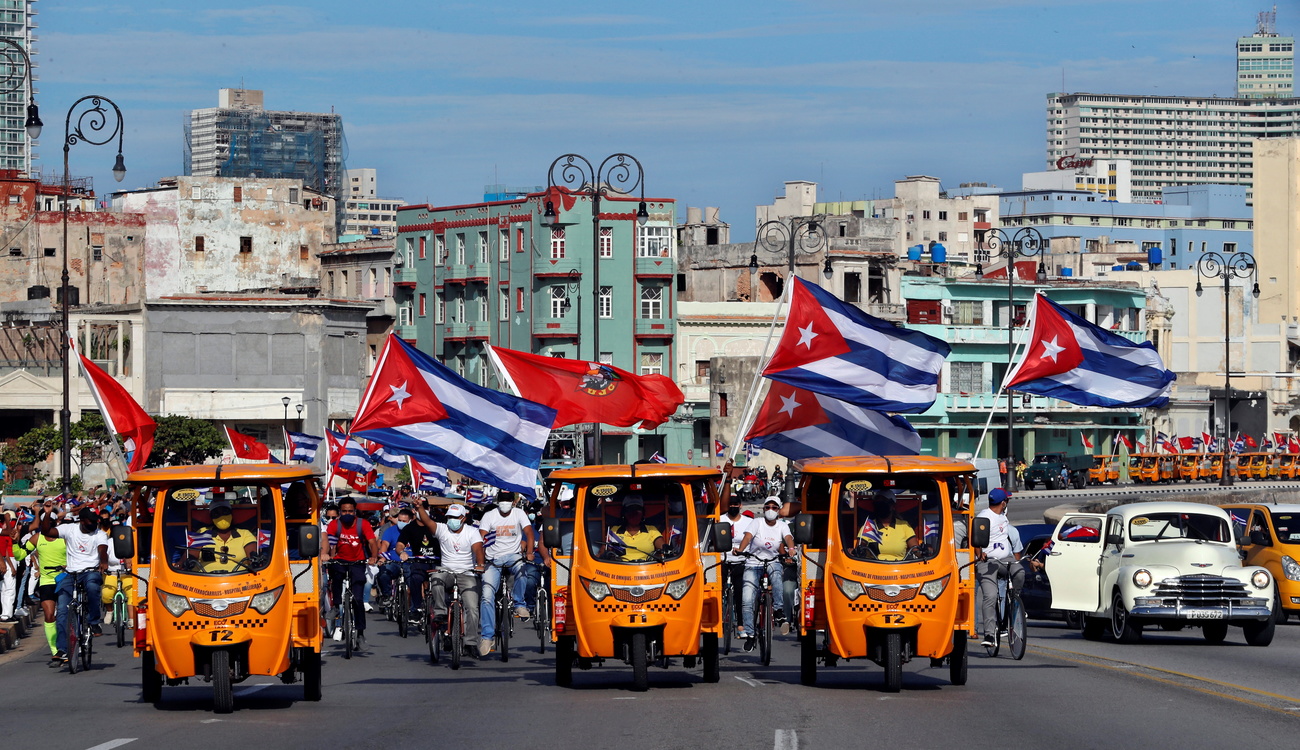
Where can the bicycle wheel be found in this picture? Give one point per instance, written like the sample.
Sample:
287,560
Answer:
542,619
87,649
505,621
119,618
432,637
456,625
765,629
402,597
1016,627
74,636
728,616
348,625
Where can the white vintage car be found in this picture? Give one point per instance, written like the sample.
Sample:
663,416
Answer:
1166,564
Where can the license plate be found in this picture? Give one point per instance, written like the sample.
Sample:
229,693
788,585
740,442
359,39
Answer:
1202,614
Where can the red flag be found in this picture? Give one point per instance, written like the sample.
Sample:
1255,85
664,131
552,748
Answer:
122,415
582,391
1087,443
1250,442
398,394
1292,445
1124,440
247,447
1279,439
1186,443
1142,447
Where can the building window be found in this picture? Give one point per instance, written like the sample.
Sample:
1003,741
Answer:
966,377
422,305
701,372
198,244
652,363
652,302
655,242
293,195
303,253
344,289
943,236
503,245
968,312
519,240
943,216
559,301
239,194
51,252
482,247
483,311
372,282
423,251
557,243
245,244
519,299
439,307
607,242
925,214
329,282
681,282
1228,248
852,287
722,405
605,303
503,304
460,249
196,193
606,358
460,310
961,216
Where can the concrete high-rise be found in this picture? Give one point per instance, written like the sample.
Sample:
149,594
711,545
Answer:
17,24
1266,62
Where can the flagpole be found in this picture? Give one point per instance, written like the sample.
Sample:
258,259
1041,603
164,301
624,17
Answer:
1021,351
751,403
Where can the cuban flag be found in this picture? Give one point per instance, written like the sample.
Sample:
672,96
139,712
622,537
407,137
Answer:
929,530
799,424
1165,443
418,407
199,539
385,457
869,532
658,458
1073,360
1238,519
614,543
1238,445
752,450
489,536
1047,548
673,534
1292,445
348,454
832,348
1211,444
428,478
719,448
263,538
302,447
475,495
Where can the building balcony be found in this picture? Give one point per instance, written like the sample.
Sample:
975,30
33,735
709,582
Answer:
895,313
405,331
404,276
968,403
566,328
478,330
663,268
467,274
661,328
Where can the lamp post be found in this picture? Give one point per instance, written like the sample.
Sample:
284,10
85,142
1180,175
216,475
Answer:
285,400
1026,242
618,173
17,69
1213,265
798,234
572,290
92,124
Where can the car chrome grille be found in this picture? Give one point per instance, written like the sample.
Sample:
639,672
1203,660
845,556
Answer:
1202,590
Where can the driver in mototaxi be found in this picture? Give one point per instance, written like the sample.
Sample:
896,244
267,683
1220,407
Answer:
230,545
896,535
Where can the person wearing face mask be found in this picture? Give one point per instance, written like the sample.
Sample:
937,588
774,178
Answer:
389,559
766,540
87,559
510,540
352,542
419,551
733,563
896,536
230,545
461,547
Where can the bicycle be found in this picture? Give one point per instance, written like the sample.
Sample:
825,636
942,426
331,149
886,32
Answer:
542,608
346,610
81,641
121,612
1011,616
398,606
505,617
730,604
764,613
452,634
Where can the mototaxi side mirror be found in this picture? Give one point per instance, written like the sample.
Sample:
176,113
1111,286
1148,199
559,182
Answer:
123,542
979,534
802,529
551,534
1259,537
309,541
720,533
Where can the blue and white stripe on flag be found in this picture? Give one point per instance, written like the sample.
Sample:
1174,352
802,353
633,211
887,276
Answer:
386,457
834,348
798,424
303,447
355,457
658,458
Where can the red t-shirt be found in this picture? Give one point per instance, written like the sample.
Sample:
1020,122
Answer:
350,543
6,546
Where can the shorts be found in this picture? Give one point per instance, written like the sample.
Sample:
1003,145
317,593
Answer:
47,593
110,588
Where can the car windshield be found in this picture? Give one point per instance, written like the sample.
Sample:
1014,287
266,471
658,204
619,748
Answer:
638,523
890,517
1100,462
1161,526
224,530
1287,527
1045,458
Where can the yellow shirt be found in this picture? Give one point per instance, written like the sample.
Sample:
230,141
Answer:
235,549
893,540
639,546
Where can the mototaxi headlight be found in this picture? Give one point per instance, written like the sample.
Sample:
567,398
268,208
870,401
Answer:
264,601
595,589
677,589
177,605
1290,568
1142,578
1259,579
932,589
851,589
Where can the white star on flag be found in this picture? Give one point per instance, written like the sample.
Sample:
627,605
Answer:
399,394
1051,349
788,405
806,335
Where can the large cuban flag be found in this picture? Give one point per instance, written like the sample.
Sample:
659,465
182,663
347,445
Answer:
416,407
799,424
1073,360
833,348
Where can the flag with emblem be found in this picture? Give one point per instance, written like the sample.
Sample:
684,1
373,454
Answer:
835,349
869,532
302,447
1070,359
416,406
1249,441
1293,445
121,414
1188,443
247,447
799,424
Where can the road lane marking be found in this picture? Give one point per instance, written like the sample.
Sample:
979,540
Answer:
749,682
113,743
786,739
253,688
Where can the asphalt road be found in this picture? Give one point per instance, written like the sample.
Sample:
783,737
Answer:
1172,691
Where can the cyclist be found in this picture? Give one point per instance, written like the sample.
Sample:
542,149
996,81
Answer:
87,550
461,547
733,563
389,559
509,541
352,543
766,541
995,561
419,550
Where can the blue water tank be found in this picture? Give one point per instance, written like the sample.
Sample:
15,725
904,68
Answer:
914,252
1155,255
1133,265
1117,268
938,253
1067,272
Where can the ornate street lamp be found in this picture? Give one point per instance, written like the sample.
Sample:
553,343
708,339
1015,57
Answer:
1213,265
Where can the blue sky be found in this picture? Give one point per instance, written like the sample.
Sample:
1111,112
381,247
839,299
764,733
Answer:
722,100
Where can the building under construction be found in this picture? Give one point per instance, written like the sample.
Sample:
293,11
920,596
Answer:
239,138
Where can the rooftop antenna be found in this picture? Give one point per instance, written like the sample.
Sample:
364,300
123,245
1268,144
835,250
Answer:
1266,23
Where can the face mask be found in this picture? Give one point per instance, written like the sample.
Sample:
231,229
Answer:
455,523
402,524
221,522
532,516
347,518
769,514
504,508
733,512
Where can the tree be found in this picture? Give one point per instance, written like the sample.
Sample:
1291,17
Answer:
184,440
32,448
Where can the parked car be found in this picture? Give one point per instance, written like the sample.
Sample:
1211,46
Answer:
1269,536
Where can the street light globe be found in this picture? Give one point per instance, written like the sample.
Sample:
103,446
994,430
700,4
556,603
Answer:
285,401
119,169
33,123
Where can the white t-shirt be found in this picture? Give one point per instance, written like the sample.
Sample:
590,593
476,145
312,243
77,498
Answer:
738,527
509,532
458,547
83,549
1000,544
766,542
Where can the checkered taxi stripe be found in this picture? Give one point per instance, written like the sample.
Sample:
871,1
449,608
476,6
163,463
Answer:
919,608
247,622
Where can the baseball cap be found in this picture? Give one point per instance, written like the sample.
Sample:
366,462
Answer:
633,501
774,499
457,511
997,496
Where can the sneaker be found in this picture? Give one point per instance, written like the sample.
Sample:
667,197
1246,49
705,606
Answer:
361,640
783,627
338,634
990,640
368,607
58,660
21,612
750,643
485,647
96,630
1003,633
523,613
